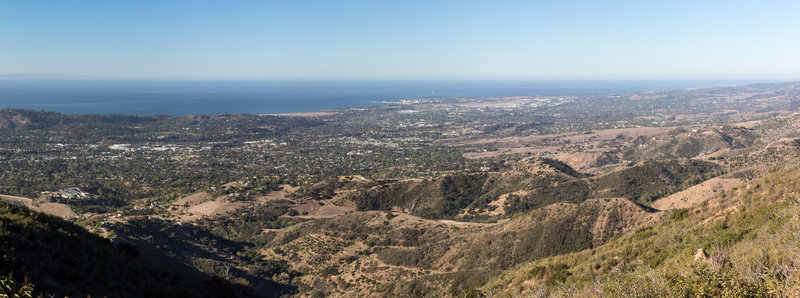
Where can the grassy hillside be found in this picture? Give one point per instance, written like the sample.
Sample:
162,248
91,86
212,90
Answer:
749,238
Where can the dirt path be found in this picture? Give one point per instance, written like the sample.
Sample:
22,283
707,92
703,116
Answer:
410,217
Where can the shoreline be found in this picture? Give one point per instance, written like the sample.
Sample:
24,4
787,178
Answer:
321,113
298,99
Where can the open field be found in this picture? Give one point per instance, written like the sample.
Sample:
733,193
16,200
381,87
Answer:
56,209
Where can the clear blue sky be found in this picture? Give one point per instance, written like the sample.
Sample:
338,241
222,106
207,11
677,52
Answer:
462,39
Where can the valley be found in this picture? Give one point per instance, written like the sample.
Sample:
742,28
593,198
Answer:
463,197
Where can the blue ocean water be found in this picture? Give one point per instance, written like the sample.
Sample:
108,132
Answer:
266,97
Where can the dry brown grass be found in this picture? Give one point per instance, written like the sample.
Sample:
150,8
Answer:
696,194
56,209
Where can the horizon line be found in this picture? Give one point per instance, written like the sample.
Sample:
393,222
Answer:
754,77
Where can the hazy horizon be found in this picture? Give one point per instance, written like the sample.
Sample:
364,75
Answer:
757,78
151,97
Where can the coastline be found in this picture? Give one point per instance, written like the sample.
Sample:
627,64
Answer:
298,99
303,114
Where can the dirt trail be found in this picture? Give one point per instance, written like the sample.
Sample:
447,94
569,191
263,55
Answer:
410,217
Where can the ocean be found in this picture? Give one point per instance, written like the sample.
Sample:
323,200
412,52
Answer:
179,98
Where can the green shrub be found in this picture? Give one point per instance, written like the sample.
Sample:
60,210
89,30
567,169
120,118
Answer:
557,274
679,214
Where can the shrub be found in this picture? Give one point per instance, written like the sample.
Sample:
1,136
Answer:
557,274
679,214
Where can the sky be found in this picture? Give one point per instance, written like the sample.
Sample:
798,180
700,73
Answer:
464,39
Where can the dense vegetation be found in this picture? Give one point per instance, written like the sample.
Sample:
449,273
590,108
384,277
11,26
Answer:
440,198
561,167
60,258
653,179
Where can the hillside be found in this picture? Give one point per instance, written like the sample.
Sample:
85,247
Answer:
536,183
60,258
379,247
742,242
